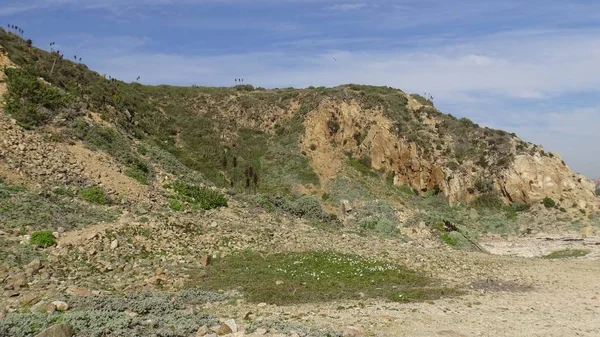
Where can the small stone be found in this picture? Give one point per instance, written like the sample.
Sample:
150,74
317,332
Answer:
81,292
278,282
222,329
473,214
28,299
231,324
56,234
38,307
61,306
205,260
35,265
11,293
131,313
261,305
353,331
58,330
114,244
48,307
203,331
158,271
260,331
346,207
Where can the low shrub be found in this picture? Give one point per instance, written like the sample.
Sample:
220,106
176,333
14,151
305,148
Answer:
43,239
30,101
175,205
94,195
489,200
549,203
201,197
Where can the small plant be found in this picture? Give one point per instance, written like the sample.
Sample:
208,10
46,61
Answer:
201,197
549,203
94,195
63,191
325,197
176,205
567,253
334,126
43,239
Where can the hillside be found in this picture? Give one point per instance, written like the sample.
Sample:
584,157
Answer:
204,204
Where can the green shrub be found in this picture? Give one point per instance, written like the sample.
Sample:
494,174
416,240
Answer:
520,206
489,200
382,227
94,195
306,207
598,190
31,102
484,185
333,125
175,205
201,197
137,175
63,191
43,239
325,197
142,150
549,203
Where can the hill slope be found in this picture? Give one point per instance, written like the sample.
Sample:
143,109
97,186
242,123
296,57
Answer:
294,140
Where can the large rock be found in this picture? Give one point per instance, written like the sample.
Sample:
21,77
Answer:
58,330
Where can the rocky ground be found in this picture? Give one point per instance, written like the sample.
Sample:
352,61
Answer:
506,295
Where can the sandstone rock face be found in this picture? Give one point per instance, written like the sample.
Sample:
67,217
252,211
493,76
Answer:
526,176
533,178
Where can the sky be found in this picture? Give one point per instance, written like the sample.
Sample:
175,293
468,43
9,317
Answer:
529,67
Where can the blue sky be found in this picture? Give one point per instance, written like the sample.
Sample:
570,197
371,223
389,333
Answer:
530,67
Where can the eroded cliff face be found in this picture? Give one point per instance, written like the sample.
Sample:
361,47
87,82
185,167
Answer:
337,129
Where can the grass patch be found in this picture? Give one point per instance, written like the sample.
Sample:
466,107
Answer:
43,239
199,197
566,254
20,207
291,278
94,195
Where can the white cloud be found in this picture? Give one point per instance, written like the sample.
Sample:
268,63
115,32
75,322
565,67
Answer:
348,6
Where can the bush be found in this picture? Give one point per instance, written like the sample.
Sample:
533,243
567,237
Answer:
175,205
598,190
306,207
484,185
31,102
43,239
488,200
94,195
549,203
520,206
201,197
382,227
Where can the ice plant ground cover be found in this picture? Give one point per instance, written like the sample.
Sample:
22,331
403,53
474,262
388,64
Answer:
290,277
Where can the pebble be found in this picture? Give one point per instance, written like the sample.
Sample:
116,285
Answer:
61,306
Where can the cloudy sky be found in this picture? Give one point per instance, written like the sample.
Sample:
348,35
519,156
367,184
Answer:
530,67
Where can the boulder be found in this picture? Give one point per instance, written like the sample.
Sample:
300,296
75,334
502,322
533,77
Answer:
58,330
